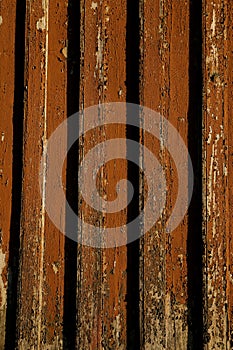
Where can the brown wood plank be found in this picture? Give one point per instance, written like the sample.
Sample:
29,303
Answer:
164,88
7,36
40,319
228,111
101,296
217,158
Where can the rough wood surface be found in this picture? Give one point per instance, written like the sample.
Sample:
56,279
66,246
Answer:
166,290
101,295
217,173
41,285
164,87
7,35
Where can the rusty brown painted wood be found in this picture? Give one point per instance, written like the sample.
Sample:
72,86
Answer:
101,295
217,174
164,87
40,315
157,293
7,36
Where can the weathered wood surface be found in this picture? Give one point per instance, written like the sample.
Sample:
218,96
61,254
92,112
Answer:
166,291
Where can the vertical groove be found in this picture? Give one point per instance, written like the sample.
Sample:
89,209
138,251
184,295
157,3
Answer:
132,84
195,243
18,113
73,82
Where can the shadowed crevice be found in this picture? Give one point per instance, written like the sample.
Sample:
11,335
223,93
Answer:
17,171
73,82
132,84
195,242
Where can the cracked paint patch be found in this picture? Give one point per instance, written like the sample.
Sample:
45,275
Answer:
41,24
94,5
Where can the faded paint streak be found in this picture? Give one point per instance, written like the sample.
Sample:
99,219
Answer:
45,5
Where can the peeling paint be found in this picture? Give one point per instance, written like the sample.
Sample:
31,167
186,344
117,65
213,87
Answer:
213,24
0,20
65,52
94,5
41,23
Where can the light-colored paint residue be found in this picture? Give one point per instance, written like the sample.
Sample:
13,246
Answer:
41,24
94,5
2,136
213,24
99,53
0,20
55,268
45,6
116,332
65,52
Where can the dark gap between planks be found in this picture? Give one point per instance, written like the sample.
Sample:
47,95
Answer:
73,83
132,84
17,171
195,243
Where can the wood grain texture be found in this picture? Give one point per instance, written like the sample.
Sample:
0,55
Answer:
166,290
7,35
217,155
101,295
164,88
41,285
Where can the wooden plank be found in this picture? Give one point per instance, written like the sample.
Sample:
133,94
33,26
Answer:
40,318
164,88
101,296
228,111
7,69
217,175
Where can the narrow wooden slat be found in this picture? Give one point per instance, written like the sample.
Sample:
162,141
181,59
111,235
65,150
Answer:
101,296
52,285
164,88
40,318
7,36
217,139
228,111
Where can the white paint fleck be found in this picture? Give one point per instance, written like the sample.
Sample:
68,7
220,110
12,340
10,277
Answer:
99,52
0,20
94,5
55,268
2,137
65,52
120,92
41,24
210,135
213,24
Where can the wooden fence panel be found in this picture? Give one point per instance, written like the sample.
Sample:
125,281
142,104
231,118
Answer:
164,290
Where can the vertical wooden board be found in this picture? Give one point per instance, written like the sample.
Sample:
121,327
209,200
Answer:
102,273
89,259
164,88
53,255
7,50
216,225
228,111
40,297
114,281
